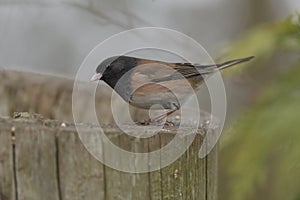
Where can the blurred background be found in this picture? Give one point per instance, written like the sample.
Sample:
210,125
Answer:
259,154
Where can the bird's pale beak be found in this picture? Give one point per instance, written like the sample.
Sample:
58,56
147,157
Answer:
96,77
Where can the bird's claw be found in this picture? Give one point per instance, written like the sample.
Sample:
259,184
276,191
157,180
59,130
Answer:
155,123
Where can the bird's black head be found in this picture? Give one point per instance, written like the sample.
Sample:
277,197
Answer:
113,68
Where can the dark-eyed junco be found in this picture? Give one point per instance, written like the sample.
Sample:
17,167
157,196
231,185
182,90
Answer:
144,83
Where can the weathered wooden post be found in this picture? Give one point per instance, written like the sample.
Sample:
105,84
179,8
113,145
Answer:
44,159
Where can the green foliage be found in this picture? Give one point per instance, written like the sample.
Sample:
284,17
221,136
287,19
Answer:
265,39
266,143
261,152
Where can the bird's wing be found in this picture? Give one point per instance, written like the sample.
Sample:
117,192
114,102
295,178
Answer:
160,71
188,70
180,71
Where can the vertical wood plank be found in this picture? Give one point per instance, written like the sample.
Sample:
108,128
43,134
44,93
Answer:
155,179
35,163
196,173
126,179
179,174
81,175
140,180
167,173
212,174
112,176
171,174
133,185
7,189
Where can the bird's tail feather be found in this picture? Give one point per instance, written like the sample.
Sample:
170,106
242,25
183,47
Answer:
207,69
233,62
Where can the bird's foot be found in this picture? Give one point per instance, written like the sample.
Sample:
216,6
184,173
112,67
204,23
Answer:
155,123
144,122
168,124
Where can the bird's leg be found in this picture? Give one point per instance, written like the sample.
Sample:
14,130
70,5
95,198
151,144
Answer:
159,118
156,119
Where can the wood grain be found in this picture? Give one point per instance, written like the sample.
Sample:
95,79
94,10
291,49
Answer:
7,184
52,163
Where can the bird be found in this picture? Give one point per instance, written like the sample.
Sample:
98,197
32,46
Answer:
145,82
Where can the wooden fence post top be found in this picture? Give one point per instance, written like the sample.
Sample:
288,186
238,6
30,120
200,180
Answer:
45,159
